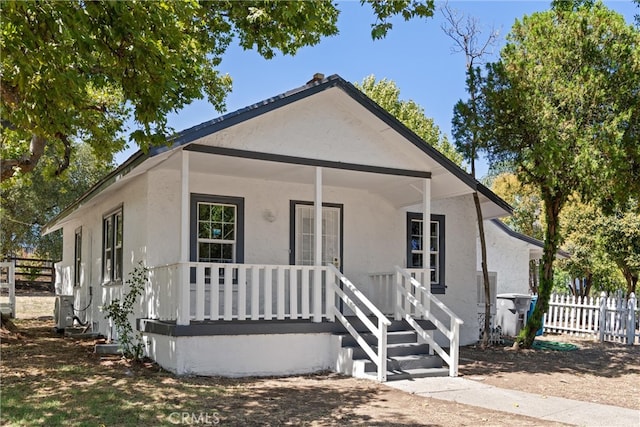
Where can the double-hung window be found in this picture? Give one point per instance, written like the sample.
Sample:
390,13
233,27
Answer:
217,232
416,254
112,249
217,229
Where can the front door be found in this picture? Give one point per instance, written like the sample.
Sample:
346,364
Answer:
302,232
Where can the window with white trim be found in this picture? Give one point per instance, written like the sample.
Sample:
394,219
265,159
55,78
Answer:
217,229
216,232
112,247
415,252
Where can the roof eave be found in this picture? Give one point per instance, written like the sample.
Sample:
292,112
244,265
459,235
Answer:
194,133
118,173
527,239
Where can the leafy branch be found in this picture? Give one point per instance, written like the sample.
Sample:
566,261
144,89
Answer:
119,311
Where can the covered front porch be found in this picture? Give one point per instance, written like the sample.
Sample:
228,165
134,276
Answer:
288,311
327,285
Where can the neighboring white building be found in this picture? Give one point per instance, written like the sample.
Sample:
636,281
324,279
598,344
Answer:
232,202
510,256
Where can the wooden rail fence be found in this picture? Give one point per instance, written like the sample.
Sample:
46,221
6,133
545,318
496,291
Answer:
33,273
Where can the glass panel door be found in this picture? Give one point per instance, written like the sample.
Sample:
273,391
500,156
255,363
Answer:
304,246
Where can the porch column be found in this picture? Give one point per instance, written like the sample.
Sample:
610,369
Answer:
426,232
426,249
317,236
183,286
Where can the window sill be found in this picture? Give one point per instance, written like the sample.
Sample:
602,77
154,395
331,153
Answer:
112,284
438,290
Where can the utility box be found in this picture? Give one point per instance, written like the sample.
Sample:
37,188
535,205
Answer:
512,311
63,312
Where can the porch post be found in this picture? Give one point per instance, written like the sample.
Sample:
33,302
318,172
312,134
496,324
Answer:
183,270
317,236
426,246
426,233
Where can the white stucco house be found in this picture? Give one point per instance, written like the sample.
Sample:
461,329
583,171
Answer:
243,280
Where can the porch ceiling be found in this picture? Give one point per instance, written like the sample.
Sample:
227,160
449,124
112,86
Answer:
400,191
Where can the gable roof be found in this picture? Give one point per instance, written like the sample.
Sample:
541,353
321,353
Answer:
184,138
527,239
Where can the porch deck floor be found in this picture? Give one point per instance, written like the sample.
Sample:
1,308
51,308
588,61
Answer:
258,327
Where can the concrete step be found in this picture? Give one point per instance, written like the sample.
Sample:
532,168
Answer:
395,337
406,349
417,373
406,357
85,335
107,349
393,350
404,363
395,375
396,325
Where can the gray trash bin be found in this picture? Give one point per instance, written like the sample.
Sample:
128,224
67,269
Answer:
511,312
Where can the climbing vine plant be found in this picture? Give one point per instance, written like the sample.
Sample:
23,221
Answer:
119,311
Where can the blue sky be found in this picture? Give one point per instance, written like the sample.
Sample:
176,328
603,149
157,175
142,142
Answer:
416,55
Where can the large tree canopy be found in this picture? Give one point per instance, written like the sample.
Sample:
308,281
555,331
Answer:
620,234
387,95
605,249
80,70
31,201
526,203
563,104
586,232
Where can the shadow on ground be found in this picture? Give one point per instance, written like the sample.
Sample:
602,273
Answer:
599,359
52,380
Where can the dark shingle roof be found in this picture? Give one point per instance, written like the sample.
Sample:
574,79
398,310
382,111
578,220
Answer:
194,133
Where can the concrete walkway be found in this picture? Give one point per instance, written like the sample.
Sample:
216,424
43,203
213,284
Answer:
548,408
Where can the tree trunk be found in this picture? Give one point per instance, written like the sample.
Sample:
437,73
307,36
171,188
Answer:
25,163
552,207
6,323
632,279
572,286
534,273
587,286
486,329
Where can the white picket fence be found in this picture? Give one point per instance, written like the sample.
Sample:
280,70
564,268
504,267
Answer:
613,318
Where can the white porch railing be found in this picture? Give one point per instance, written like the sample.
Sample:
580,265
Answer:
384,286
192,291
355,303
415,300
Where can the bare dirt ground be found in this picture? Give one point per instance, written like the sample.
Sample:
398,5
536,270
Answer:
604,373
51,380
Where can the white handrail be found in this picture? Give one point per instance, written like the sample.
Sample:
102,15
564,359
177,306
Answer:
452,332
380,332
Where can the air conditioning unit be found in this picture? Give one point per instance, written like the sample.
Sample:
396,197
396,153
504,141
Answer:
63,312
